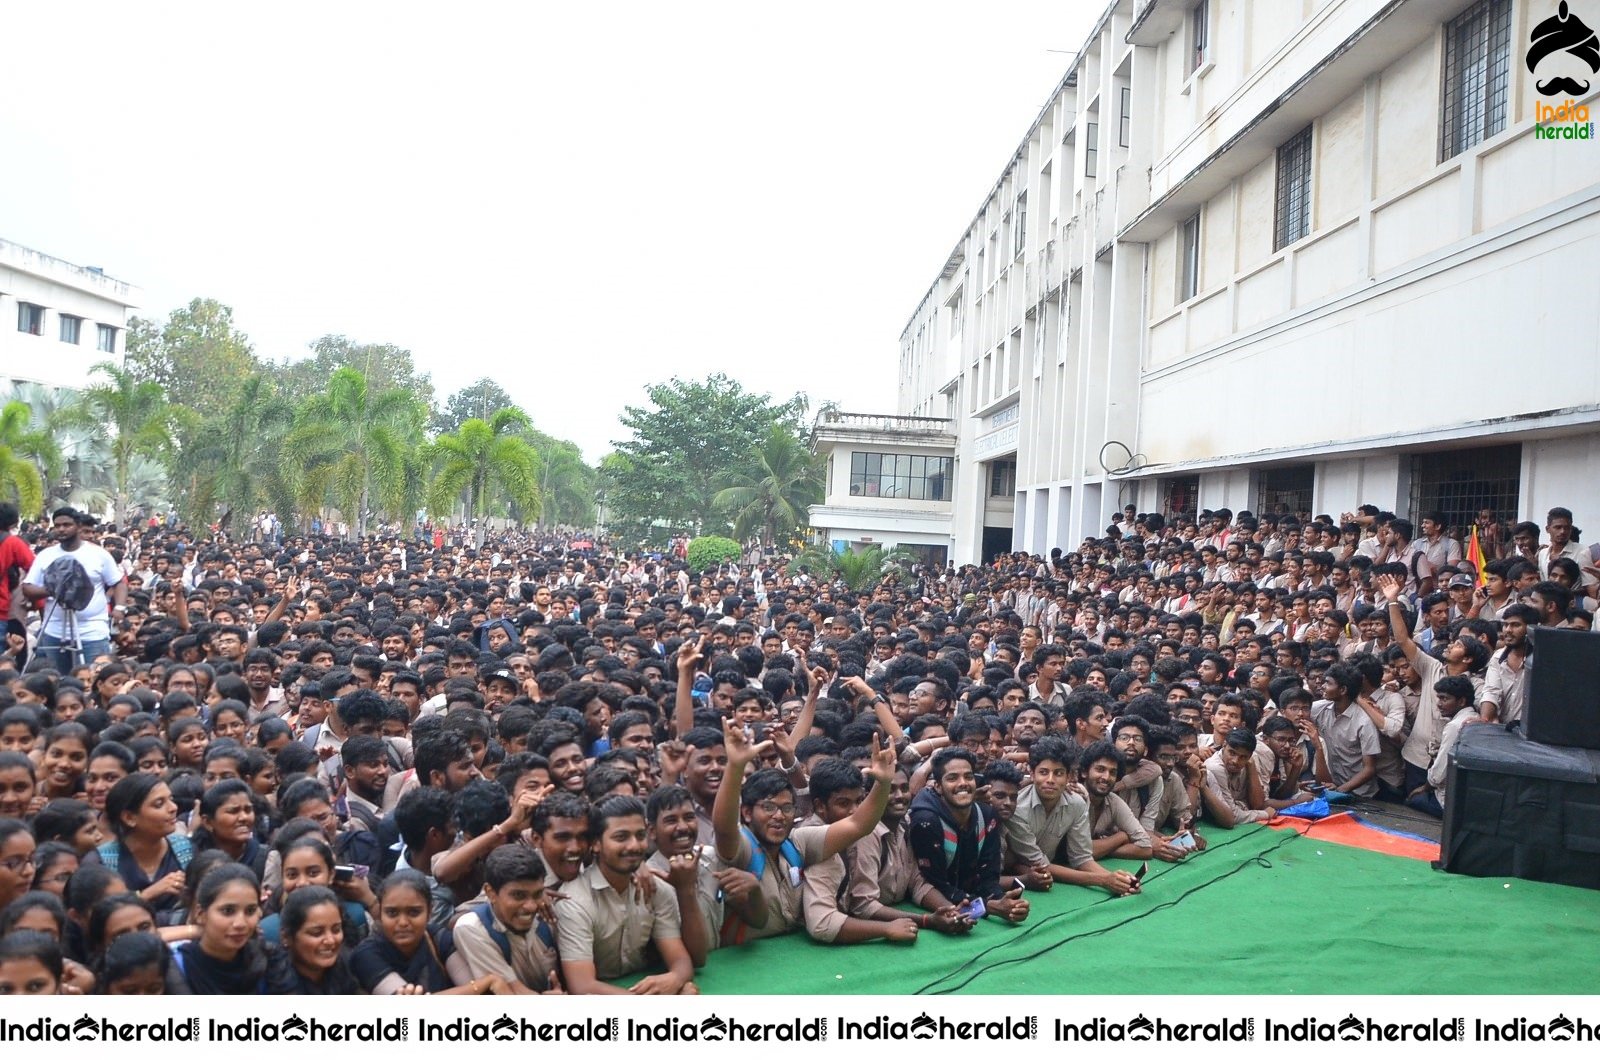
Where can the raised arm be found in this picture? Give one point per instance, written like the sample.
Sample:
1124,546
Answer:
683,699
1389,587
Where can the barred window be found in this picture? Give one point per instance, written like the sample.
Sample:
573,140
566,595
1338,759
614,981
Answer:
1458,482
1477,73
1293,216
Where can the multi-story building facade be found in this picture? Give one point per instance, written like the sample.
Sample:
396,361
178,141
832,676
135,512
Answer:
1278,253
57,320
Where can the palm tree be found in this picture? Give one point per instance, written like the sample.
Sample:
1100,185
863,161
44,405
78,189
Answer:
485,460
567,485
235,461
26,455
351,445
134,418
771,495
858,570
54,414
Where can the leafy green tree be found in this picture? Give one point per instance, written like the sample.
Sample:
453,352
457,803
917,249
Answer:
485,460
196,354
478,401
25,453
680,441
135,419
384,366
771,493
352,444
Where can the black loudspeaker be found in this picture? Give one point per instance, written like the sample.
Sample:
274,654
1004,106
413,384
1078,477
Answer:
1563,705
1514,807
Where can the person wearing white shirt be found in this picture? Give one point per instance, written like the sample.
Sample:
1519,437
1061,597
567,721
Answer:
66,634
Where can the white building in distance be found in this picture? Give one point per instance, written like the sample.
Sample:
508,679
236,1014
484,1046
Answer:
1280,255
57,320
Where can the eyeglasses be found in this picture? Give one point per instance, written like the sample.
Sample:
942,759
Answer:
16,864
776,809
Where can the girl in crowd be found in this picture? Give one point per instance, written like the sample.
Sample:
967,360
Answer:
68,821
313,938
228,823
229,721
404,958
17,785
53,865
66,757
108,763
305,860
136,964
150,859
30,963
16,860
188,739
229,956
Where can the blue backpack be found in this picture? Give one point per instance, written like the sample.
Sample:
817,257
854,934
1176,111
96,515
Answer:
182,849
758,857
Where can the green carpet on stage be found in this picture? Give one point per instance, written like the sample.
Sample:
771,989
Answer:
1262,912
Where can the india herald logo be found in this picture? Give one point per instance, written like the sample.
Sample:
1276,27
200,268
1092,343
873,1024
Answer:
1563,34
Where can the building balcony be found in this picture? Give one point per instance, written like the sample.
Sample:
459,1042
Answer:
834,426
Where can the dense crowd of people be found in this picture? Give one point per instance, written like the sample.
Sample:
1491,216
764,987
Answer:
405,765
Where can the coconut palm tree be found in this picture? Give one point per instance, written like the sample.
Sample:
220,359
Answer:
771,495
567,485
350,445
26,456
485,461
135,420
235,461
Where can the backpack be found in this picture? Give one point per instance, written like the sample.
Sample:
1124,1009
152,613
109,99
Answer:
67,582
181,848
758,858
501,939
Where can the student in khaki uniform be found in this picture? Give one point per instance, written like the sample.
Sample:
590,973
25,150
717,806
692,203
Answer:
707,895
504,935
756,827
831,911
605,929
1115,831
883,871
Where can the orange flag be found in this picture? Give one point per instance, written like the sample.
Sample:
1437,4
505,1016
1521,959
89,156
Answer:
1475,557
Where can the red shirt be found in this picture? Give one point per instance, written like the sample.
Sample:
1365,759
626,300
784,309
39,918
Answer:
15,555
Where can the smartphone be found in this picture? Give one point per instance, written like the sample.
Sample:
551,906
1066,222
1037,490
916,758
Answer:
977,910
1183,841
344,873
1138,876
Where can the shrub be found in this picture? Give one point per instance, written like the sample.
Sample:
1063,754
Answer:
709,551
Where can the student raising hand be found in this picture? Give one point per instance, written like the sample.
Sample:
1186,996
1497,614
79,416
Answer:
741,751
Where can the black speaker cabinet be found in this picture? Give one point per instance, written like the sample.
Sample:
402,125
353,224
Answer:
1564,688
1514,807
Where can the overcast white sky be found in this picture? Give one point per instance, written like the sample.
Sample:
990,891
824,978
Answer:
574,199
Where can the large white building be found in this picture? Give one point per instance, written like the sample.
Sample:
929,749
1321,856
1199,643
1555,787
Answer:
1252,253
57,320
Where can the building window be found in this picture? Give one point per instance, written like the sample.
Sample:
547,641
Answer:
1179,496
1477,70
1019,234
30,318
1285,490
70,327
902,477
1293,217
955,314
1199,35
1091,149
1003,478
1460,482
1189,271
106,339
1125,122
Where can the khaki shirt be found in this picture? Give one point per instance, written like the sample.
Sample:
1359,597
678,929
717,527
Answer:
1034,833
1505,687
1229,788
613,930
825,897
782,885
708,894
1114,817
1172,812
531,960
883,871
